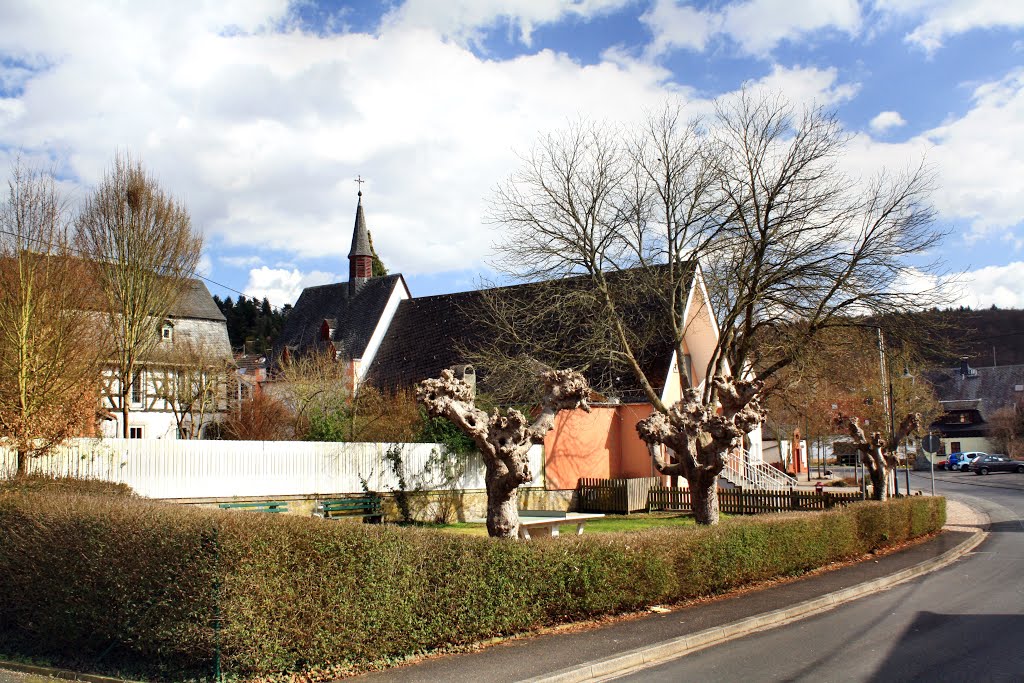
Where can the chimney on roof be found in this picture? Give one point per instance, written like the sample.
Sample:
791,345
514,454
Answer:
360,257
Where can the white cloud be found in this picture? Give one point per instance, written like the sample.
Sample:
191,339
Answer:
978,160
464,21
759,25
940,19
755,26
284,286
1002,286
241,261
205,265
886,121
262,133
981,156
676,26
806,86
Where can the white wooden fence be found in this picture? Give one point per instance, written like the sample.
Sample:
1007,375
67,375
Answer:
221,469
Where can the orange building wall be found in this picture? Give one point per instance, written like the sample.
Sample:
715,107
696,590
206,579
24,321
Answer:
601,444
635,460
581,445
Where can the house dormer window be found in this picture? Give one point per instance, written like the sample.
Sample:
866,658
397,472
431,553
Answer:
167,333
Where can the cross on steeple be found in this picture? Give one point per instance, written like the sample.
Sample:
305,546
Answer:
360,181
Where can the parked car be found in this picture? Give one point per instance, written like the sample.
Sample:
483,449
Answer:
962,461
996,463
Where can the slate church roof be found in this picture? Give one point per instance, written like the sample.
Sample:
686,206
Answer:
360,235
353,312
429,334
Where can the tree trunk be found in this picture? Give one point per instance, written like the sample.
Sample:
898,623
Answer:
502,508
879,487
124,415
22,462
704,496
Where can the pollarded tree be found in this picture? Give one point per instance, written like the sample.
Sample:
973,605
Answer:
878,452
48,371
788,245
503,438
143,252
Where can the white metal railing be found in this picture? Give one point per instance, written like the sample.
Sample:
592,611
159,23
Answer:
757,475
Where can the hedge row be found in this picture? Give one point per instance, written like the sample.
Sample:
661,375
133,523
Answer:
134,586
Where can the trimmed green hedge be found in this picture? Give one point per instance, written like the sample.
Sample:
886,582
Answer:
130,585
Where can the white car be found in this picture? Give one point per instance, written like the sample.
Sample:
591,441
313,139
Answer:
964,462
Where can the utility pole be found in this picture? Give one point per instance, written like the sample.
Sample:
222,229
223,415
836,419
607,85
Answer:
887,403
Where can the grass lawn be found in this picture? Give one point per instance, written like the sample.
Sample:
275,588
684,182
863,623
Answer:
607,524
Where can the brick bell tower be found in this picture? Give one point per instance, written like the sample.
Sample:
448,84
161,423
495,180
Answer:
360,258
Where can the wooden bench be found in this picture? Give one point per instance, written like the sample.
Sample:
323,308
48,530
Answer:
368,507
257,506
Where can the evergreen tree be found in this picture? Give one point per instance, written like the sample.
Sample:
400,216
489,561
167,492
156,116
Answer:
377,269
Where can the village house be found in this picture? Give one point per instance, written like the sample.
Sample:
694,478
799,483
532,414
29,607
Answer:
193,349
969,397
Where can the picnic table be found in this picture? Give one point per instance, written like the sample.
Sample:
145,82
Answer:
550,520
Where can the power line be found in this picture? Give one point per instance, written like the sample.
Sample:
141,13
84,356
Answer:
92,257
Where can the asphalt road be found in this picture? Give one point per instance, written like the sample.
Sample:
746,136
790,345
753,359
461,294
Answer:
962,623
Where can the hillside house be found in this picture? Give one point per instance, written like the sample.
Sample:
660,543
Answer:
969,397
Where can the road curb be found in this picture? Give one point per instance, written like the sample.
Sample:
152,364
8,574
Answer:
65,674
676,647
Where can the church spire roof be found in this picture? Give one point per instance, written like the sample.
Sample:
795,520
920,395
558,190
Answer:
360,237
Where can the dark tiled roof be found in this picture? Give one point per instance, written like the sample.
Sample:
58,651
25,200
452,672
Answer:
424,337
251,362
987,389
355,315
429,334
196,302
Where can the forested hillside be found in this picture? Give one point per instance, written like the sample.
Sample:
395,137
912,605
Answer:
988,337
252,324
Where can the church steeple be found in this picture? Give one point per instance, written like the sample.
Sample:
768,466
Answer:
360,256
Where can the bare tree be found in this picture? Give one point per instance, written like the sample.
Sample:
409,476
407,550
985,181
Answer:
317,389
503,438
841,374
193,381
258,416
143,251
48,370
787,243
1007,430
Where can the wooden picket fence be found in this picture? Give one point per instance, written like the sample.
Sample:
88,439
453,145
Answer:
616,496
739,501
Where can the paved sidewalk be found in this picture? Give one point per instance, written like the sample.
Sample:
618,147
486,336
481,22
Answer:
572,656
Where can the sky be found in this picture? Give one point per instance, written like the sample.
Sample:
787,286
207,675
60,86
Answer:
259,115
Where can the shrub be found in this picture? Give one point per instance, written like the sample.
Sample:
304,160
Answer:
103,582
41,483
100,579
